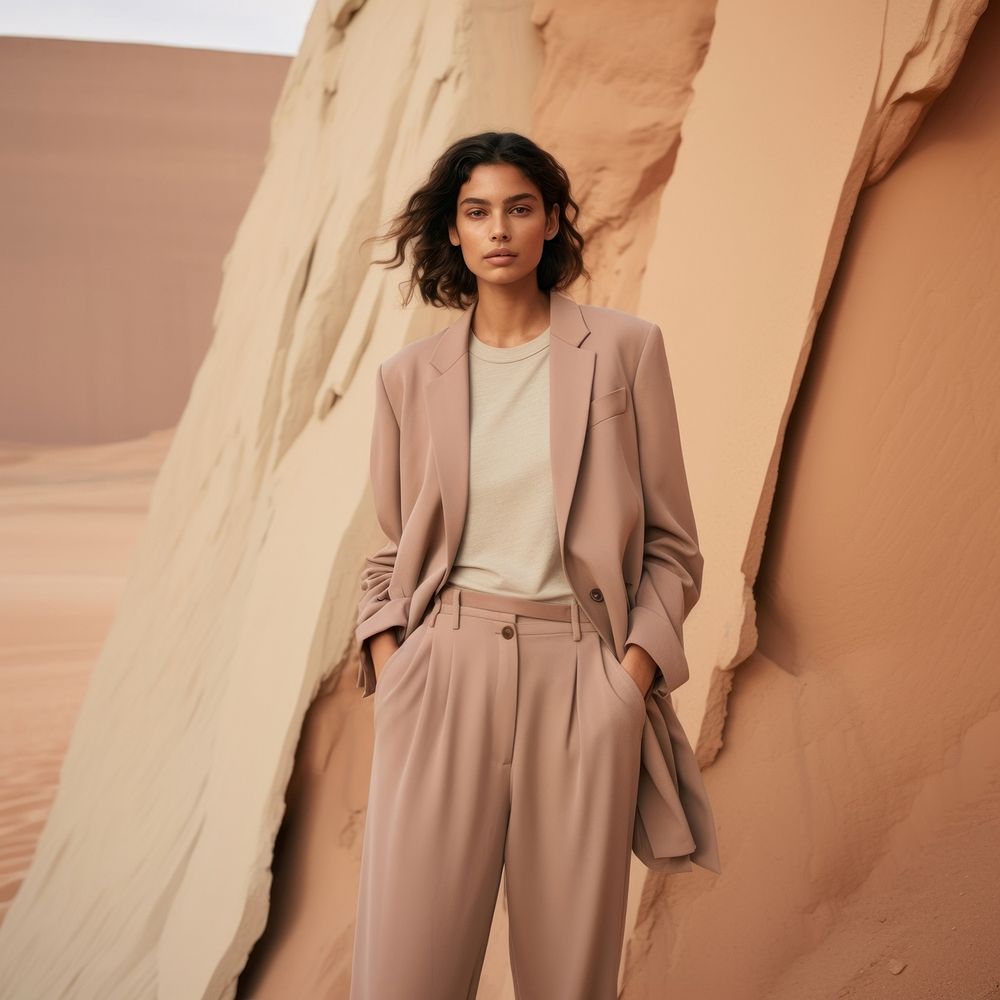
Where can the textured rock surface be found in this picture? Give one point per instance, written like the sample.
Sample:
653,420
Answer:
859,784
783,130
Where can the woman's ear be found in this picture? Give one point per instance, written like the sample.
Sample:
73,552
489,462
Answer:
553,224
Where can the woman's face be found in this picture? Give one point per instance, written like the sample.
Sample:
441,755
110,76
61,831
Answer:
499,208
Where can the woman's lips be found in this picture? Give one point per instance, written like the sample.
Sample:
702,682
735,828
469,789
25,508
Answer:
501,259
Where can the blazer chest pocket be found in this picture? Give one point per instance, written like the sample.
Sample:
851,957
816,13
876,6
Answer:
610,404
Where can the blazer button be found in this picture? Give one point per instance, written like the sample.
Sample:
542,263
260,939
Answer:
596,595
507,632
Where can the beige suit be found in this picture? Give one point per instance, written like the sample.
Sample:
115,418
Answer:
630,552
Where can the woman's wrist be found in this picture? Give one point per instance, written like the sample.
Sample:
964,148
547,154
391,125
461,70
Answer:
382,645
648,671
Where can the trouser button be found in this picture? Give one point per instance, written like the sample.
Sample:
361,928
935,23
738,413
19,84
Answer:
507,632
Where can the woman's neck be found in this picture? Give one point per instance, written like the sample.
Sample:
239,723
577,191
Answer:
506,317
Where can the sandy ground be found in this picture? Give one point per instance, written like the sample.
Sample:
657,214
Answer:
69,521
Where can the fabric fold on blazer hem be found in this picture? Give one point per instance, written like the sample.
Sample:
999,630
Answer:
674,823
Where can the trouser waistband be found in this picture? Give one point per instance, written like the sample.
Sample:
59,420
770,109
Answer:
452,598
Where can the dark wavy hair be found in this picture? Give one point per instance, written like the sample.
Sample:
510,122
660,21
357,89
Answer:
439,270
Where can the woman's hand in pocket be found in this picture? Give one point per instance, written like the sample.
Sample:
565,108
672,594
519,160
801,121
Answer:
383,645
640,666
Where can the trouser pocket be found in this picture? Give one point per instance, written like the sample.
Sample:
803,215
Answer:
397,662
622,681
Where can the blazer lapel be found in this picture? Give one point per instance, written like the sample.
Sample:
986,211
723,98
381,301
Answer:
571,374
447,396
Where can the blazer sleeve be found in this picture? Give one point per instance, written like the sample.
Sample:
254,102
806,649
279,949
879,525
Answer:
670,582
379,610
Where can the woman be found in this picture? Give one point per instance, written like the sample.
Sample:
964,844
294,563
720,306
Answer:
521,628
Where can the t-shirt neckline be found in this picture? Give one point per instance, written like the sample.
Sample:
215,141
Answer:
490,352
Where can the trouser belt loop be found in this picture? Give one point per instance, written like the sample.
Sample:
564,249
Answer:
576,621
435,610
458,600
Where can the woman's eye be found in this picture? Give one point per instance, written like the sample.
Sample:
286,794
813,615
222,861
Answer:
477,213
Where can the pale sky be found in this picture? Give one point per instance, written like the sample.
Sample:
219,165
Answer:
274,26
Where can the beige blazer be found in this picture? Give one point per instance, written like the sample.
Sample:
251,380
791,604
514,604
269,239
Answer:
623,512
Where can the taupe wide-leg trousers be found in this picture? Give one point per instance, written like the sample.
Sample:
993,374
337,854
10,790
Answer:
507,738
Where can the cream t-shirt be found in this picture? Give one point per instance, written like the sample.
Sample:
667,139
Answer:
510,542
